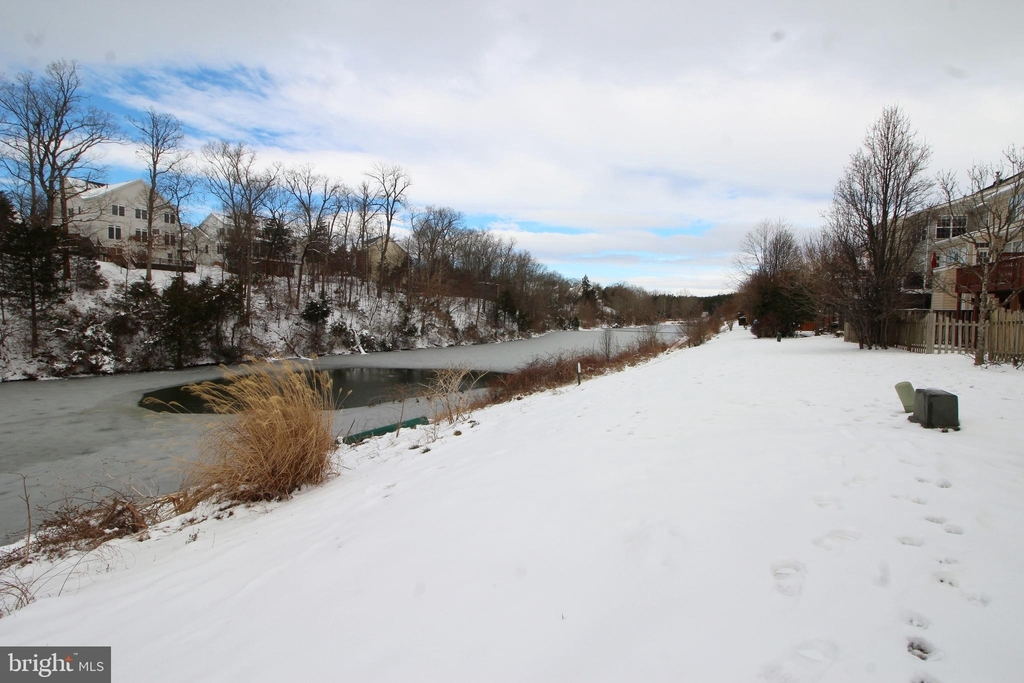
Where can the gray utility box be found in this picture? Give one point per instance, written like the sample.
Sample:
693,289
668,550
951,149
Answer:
936,408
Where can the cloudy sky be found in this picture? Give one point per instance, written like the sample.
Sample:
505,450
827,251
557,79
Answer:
632,141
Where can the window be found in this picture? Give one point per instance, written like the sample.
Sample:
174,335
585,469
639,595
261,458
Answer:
169,218
156,231
1015,247
113,232
220,232
206,248
221,248
1015,209
172,239
116,210
142,214
950,226
982,253
141,234
167,240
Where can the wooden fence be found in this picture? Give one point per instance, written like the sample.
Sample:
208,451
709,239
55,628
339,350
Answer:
955,332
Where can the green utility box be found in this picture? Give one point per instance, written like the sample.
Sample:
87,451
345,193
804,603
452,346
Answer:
936,408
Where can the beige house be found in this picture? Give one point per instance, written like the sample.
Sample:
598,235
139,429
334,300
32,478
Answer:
212,240
395,256
114,218
978,235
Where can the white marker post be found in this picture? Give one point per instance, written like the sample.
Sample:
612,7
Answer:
579,374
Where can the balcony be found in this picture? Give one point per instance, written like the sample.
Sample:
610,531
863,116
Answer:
1007,275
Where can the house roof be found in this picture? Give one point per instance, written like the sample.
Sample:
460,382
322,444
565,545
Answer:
1007,182
94,192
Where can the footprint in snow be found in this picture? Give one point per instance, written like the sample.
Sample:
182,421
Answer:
954,529
935,519
826,501
914,619
789,577
805,663
915,541
913,499
952,581
837,539
944,483
923,650
884,575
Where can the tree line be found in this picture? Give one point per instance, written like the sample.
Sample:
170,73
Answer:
333,244
870,260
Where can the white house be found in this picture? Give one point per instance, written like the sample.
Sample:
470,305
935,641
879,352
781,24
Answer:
212,239
114,218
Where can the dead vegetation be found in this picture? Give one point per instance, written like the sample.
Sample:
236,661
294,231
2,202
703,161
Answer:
449,394
559,370
278,436
87,518
700,330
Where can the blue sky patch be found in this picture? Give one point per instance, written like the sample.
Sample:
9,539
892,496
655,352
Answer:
482,221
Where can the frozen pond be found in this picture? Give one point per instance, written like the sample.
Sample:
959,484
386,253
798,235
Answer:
66,435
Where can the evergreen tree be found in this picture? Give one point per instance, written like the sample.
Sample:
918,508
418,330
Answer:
30,275
185,318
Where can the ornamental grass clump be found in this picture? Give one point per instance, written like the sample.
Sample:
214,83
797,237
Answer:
278,436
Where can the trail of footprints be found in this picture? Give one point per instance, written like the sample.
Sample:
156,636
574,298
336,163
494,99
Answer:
918,646
789,579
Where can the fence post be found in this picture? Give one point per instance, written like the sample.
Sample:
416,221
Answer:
929,332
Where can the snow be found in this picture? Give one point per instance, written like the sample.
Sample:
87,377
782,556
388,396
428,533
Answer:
746,510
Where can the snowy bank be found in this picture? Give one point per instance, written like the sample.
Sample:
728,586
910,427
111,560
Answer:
745,510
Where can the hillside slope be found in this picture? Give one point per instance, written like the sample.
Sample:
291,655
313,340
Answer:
746,510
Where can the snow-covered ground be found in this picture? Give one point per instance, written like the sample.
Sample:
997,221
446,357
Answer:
742,511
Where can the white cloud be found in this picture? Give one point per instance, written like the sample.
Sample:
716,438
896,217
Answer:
616,118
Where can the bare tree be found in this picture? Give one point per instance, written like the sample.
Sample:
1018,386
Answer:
435,235
391,184
318,204
47,133
158,139
769,249
870,239
235,179
773,288
178,187
367,208
993,206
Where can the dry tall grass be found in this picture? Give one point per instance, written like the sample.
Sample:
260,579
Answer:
279,437
560,370
449,394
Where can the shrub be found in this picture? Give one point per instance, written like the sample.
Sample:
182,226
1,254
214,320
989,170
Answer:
702,329
559,370
447,394
278,438
648,341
